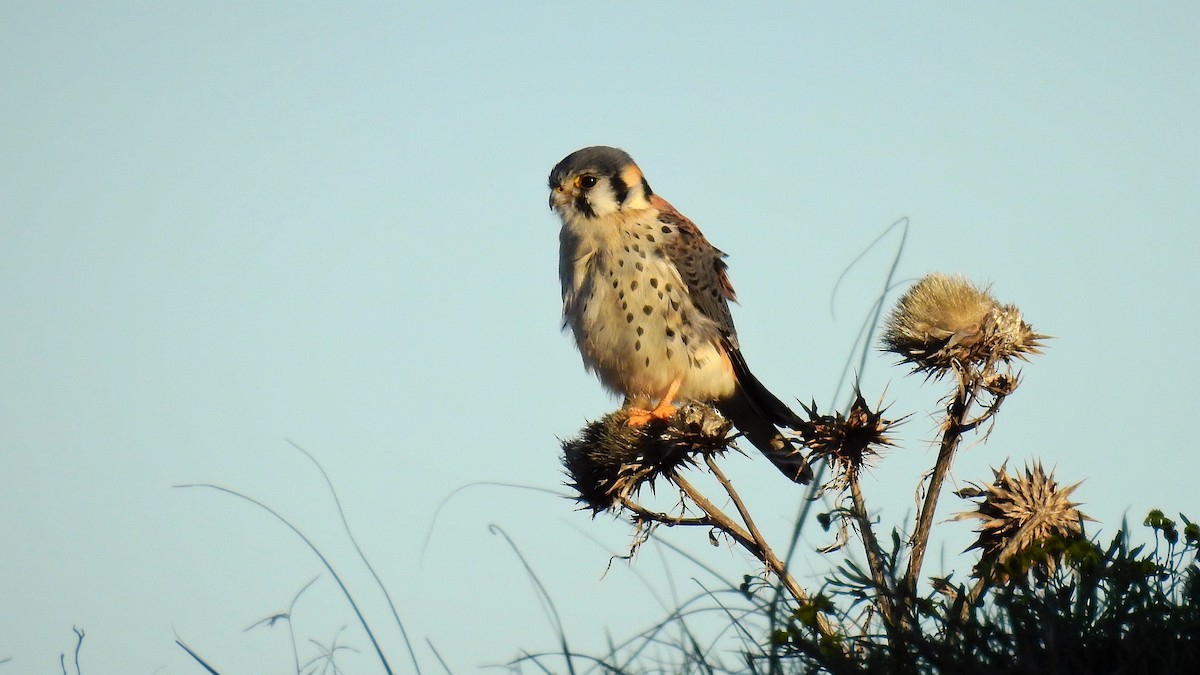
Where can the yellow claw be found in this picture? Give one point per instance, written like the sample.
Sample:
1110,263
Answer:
639,417
664,411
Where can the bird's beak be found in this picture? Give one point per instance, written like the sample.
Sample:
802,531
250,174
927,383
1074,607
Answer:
559,196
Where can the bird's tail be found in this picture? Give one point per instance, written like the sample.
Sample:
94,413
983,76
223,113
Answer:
758,414
759,396
765,436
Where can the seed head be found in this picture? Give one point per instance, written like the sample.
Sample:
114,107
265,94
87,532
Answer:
847,442
609,460
1025,518
945,323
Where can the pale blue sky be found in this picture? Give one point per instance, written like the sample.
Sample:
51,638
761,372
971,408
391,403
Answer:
225,225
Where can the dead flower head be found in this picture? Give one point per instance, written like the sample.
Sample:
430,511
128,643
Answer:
946,323
847,442
1021,514
609,461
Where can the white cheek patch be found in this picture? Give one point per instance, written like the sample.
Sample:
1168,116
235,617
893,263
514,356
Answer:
602,199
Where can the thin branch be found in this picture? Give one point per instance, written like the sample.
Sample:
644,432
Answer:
902,223
874,556
720,520
762,550
987,414
666,518
734,621
768,556
292,626
866,334
956,414
328,655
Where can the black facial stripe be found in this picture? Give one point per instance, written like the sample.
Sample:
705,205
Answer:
646,191
582,205
620,189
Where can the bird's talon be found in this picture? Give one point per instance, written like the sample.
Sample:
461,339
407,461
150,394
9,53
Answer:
639,417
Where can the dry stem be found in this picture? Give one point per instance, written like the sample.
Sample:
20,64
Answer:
748,537
768,556
955,425
874,556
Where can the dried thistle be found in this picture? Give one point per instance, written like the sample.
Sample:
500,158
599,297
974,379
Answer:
847,442
1024,517
609,460
945,323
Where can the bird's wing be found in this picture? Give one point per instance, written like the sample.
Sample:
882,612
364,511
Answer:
703,270
701,266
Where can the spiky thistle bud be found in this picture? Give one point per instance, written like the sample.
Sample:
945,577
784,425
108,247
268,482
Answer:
945,323
847,442
609,460
1025,520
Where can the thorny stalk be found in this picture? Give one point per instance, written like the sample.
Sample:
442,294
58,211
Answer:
713,518
718,517
874,558
748,536
763,551
970,381
943,327
768,556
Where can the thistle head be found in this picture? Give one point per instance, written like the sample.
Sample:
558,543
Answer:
1025,520
945,323
609,461
848,442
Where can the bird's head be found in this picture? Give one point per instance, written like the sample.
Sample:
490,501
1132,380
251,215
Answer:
596,182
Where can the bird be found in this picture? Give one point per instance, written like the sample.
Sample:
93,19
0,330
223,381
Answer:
646,297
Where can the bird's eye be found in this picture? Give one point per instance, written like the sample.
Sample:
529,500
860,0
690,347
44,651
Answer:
586,182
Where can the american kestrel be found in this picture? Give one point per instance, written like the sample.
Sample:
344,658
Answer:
647,299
